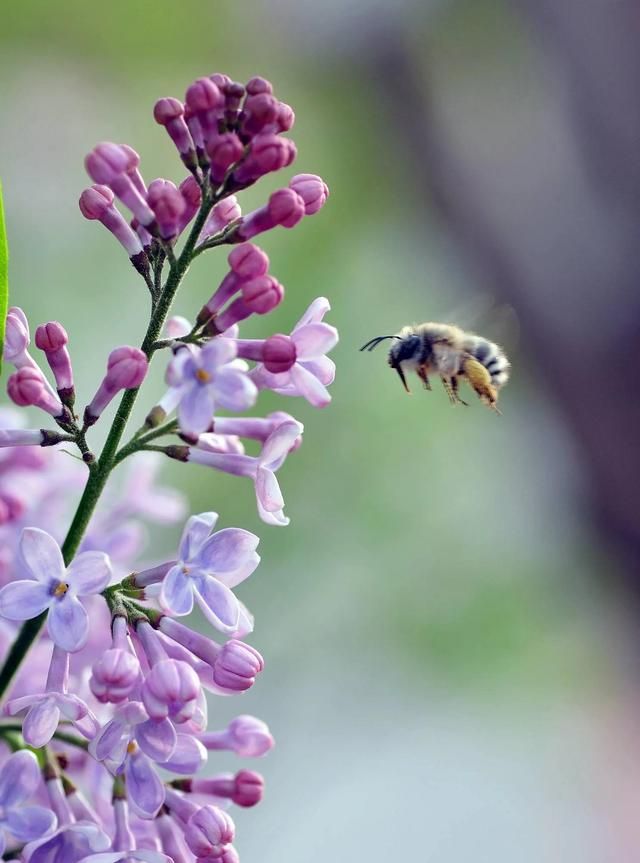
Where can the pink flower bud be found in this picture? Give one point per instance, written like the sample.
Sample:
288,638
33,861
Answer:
168,205
206,102
192,196
169,113
268,153
133,165
208,831
171,689
237,666
114,676
220,80
248,261
126,369
247,736
313,191
16,338
286,117
286,208
262,294
97,203
246,788
233,96
257,85
108,164
227,211
27,387
279,353
259,112
52,338
223,151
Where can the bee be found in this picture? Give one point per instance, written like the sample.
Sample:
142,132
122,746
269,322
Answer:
451,353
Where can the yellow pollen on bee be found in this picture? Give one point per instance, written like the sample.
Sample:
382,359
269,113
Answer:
61,589
132,747
203,376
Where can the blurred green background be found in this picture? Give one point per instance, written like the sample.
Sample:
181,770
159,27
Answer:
444,665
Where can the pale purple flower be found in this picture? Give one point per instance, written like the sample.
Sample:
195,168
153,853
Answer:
69,844
171,689
247,736
209,565
202,378
146,855
17,339
313,371
19,779
56,588
260,469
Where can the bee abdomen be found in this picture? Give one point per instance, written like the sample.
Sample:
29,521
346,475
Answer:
492,358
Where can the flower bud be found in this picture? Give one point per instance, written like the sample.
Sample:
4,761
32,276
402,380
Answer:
16,338
126,369
248,788
27,387
208,831
171,689
247,736
262,294
108,164
169,113
257,85
97,203
192,196
114,675
279,353
168,205
52,339
227,211
237,666
259,111
206,102
312,189
233,96
223,151
285,207
268,153
248,261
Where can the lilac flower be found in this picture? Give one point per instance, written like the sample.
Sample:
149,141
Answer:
247,736
143,854
208,566
56,588
200,379
52,339
261,468
245,789
126,369
69,844
312,371
19,779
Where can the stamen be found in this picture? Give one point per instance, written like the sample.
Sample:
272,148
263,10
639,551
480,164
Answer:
203,376
60,589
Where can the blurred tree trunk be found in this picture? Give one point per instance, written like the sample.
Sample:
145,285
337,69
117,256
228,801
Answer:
554,227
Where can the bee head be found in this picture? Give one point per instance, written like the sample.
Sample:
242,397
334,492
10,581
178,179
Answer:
404,349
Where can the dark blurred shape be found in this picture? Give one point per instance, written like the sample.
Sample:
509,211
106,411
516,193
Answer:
552,227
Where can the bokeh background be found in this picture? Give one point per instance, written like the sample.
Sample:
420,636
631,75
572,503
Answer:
450,620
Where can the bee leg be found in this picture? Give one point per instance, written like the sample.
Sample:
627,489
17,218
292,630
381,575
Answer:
480,380
454,390
422,374
446,383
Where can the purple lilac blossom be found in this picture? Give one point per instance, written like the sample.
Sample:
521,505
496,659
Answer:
19,780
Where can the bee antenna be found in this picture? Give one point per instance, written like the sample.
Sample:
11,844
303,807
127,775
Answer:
371,345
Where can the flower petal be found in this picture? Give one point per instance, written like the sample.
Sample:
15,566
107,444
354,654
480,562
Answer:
188,756
219,605
268,491
30,822
234,390
322,368
226,550
176,593
314,340
68,623
41,555
109,742
19,778
237,576
196,530
157,738
22,600
246,622
195,412
144,788
276,518
315,313
279,442
217,352
309,386
89,573
40,723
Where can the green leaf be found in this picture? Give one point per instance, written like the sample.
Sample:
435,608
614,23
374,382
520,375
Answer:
4,276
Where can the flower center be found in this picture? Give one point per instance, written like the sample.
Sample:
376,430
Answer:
186,570
132,747
60,589
203,376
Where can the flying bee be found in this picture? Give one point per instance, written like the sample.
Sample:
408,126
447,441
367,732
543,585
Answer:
451,353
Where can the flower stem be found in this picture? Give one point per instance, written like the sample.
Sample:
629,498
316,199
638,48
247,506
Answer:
105,464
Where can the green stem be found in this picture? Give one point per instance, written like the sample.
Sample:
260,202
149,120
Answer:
137,443
102,468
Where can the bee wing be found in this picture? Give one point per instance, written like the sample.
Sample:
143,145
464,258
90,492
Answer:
481,314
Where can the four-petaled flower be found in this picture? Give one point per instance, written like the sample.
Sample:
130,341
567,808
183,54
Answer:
200,379
19,779
55,587
209,566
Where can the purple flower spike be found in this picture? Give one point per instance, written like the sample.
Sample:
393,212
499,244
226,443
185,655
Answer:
97,203
126,369
247,736
261,469
209,565
171,689
52,338
208,831
285,208
170,114
223,151
313,191
55,588
201,379
108,164
19,780
27,387
313,371
168,207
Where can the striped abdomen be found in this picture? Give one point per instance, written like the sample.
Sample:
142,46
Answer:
492,358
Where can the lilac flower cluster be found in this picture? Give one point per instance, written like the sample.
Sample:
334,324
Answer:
112,697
